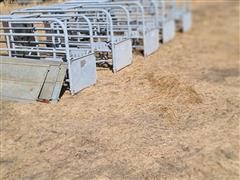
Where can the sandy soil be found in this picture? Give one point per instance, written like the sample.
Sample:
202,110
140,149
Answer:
173,115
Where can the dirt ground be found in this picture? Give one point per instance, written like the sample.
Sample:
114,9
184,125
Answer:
173,115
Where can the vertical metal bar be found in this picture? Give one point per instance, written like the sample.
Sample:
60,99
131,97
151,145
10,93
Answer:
11,44
54,41
36,39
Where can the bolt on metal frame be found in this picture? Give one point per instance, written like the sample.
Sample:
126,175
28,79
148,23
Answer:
68,39
112,46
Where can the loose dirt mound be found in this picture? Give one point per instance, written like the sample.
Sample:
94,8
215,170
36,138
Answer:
170,88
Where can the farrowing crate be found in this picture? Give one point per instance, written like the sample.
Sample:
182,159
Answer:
38,54
110,41
144,31
166,23
180,11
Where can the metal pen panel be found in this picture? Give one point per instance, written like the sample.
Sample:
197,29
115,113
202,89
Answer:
143,26
50,40
104,27
180,11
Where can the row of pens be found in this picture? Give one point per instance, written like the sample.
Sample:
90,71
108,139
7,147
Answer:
47,49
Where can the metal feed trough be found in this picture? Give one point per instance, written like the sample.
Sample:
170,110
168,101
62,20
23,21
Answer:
180,10
144,30
111,42
39,54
